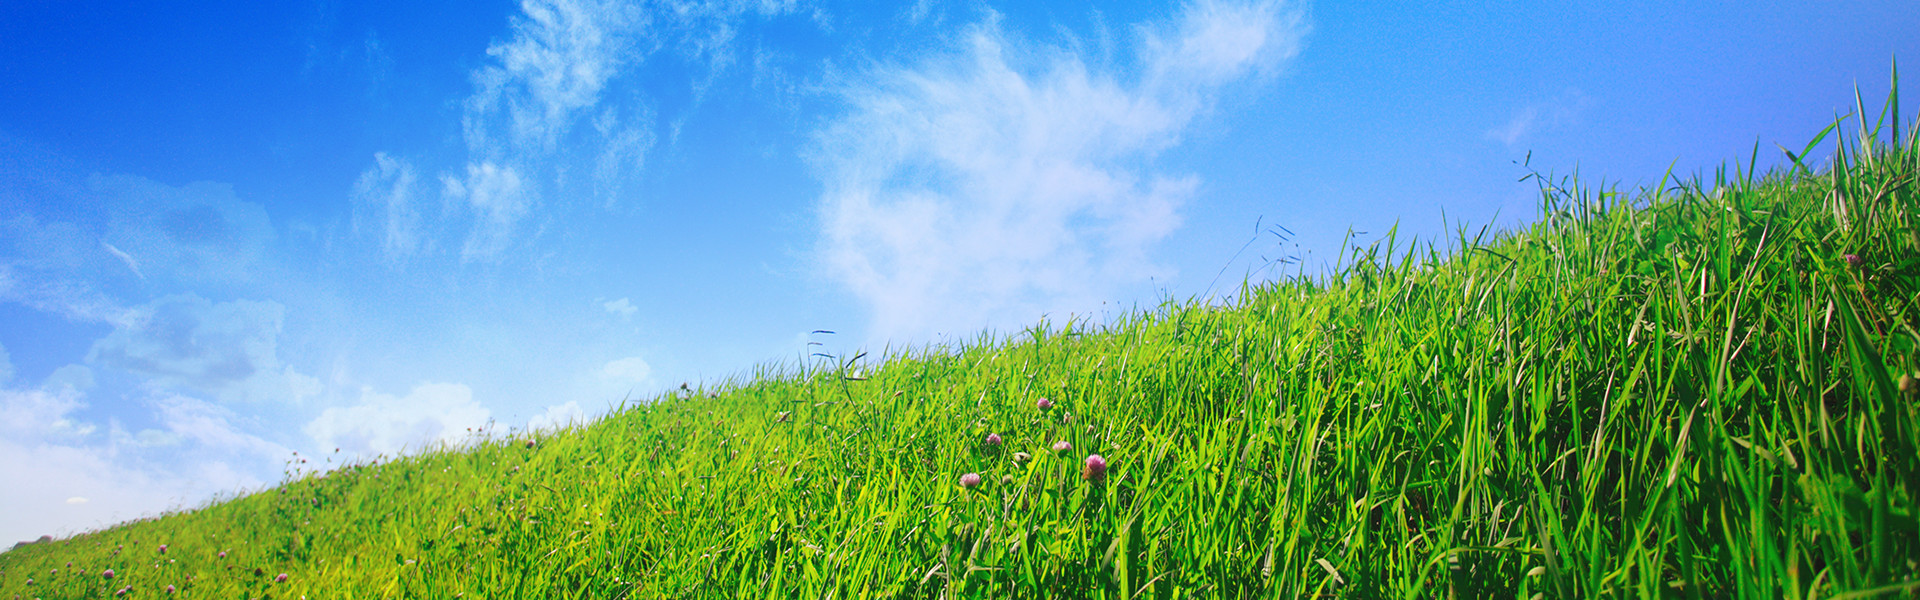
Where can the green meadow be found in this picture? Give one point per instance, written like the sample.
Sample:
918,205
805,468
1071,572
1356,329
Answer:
1702,388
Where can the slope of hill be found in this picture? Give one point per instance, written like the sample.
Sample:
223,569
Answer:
1704,389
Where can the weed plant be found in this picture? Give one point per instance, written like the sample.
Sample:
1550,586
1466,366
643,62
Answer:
1703,389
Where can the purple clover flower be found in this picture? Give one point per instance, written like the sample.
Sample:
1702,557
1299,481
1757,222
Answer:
1095,469
1062,447
1044,404
970,480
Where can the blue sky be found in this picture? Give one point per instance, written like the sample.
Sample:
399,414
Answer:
230,232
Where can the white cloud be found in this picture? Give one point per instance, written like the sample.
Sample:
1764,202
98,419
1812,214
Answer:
991,184
1542,117
200,231
386,424
625,151
58,268
229,349
124,258
77,378
1519,126
554,70
205,425
41,414
559,58
622,307
630,370
383,200
557,416
498,198
67,477
920,10
1217,41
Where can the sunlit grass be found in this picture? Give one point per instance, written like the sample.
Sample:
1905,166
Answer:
1700,389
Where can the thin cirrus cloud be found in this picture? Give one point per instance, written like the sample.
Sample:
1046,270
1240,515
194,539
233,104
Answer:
386,204
59,268
1541,117
151,234
200,232
539,105
996,181
498,197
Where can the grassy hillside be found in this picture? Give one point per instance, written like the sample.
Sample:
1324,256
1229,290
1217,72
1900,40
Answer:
1698,390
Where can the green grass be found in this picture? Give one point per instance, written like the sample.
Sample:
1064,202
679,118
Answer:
1683,392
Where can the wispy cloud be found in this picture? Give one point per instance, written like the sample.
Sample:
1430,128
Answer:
1518,127
152,234
199,232
996,181
498,198
628,139
559,58
124,258
384,203
1550,115
552,73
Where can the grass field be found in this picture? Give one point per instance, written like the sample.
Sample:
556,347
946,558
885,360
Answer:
1701,389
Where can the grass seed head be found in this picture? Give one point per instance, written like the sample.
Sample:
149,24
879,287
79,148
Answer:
1095,469
1909,385
1021,458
